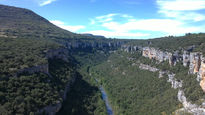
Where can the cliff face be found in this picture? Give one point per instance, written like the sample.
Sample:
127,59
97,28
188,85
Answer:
84,44
201,74
193,60
51,54
58,54
177,84
130,48
159,55
186,59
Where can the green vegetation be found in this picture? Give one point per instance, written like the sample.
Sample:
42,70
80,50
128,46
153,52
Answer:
23,53
84,97
172,43
191,86
134,91
28,93
25,37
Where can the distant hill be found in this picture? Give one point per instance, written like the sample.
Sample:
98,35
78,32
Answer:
20,22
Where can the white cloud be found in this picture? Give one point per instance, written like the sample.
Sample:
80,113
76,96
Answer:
45,2
108,18
181,5
192,16
104,18
67,27
114,34
182,9
159,25
128,25
92,21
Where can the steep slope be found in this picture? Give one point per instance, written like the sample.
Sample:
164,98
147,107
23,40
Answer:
36,68
18,22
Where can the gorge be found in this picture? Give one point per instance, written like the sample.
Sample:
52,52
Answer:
47,70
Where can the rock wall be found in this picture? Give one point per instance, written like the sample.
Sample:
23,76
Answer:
77,44
188,106
195,62
34,69
160,56
130,48
61,53
201,74
177,84
186,58
51,54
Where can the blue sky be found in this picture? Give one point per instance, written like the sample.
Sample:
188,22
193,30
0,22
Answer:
133,19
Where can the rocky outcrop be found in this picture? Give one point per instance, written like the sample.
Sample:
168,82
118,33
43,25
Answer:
159,55
162,73
174,82
177,84
130,48
34,69
188,106
186,58
201,74
80,44
195,62
147,67
171,77
51,54
61,53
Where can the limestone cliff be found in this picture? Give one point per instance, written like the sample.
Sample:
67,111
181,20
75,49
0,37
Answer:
153,53
77,44
201,74
130,48
177,84
186,58
195,62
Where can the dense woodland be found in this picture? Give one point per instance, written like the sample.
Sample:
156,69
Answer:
28,93
132,93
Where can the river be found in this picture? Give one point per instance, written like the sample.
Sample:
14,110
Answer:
105,99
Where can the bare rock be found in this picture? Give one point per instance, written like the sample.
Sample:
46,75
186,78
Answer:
195,62
186,58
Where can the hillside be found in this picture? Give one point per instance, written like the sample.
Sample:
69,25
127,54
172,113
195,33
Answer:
36,68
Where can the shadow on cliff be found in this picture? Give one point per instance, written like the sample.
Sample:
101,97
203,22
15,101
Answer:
78,98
